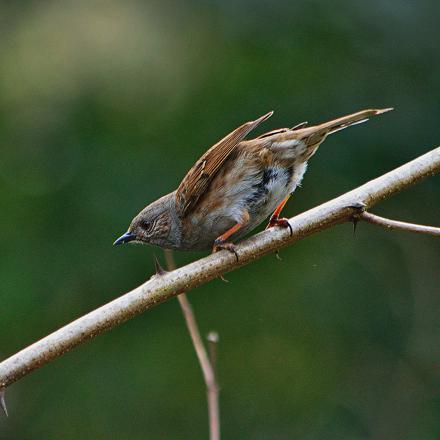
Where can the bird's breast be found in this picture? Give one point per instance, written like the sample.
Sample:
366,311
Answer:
276,183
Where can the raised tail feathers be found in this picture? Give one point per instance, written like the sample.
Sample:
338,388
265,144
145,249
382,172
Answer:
353,119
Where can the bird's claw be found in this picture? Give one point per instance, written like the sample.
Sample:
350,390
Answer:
220,245
282,222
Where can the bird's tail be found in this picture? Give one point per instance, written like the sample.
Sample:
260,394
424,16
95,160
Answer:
285,141
346,121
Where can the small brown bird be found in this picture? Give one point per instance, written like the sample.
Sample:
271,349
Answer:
235,186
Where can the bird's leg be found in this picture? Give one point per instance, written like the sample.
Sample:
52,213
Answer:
221,242
275,219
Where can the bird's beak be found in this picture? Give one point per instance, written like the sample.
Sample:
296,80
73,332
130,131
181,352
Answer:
127,237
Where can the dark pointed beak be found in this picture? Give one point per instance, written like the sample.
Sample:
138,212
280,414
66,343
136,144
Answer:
127,237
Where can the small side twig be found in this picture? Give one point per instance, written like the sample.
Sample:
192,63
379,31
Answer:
394,224
208,371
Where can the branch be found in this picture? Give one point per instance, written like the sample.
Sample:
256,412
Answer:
163,287
394,224
205,363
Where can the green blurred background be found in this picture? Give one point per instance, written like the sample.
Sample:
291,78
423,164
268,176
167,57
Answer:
105,105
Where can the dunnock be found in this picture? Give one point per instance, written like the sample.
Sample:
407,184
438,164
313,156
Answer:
234,186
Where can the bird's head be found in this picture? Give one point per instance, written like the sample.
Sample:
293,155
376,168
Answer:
152,225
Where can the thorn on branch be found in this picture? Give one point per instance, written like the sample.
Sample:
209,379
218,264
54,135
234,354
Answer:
3,402
359,207
159,269
355,221
221,277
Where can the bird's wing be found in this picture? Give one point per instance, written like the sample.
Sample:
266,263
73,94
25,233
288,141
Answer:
282,130
198,178
271,133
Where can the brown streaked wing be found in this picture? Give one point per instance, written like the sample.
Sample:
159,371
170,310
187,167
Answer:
196,181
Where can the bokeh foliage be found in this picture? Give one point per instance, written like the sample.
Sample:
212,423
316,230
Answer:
105,105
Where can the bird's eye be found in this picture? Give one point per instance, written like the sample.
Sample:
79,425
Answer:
145,225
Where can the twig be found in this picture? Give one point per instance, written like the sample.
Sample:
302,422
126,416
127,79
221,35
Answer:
212,389
160,288
394,224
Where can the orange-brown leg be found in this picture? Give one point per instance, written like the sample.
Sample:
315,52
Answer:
275,219
221,241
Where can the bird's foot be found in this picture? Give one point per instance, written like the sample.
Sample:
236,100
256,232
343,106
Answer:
282,222
220,245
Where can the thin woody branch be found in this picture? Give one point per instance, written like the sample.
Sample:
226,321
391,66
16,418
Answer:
163,287
212,389
395,224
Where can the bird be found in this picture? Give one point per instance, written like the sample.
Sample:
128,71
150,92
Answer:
235,186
